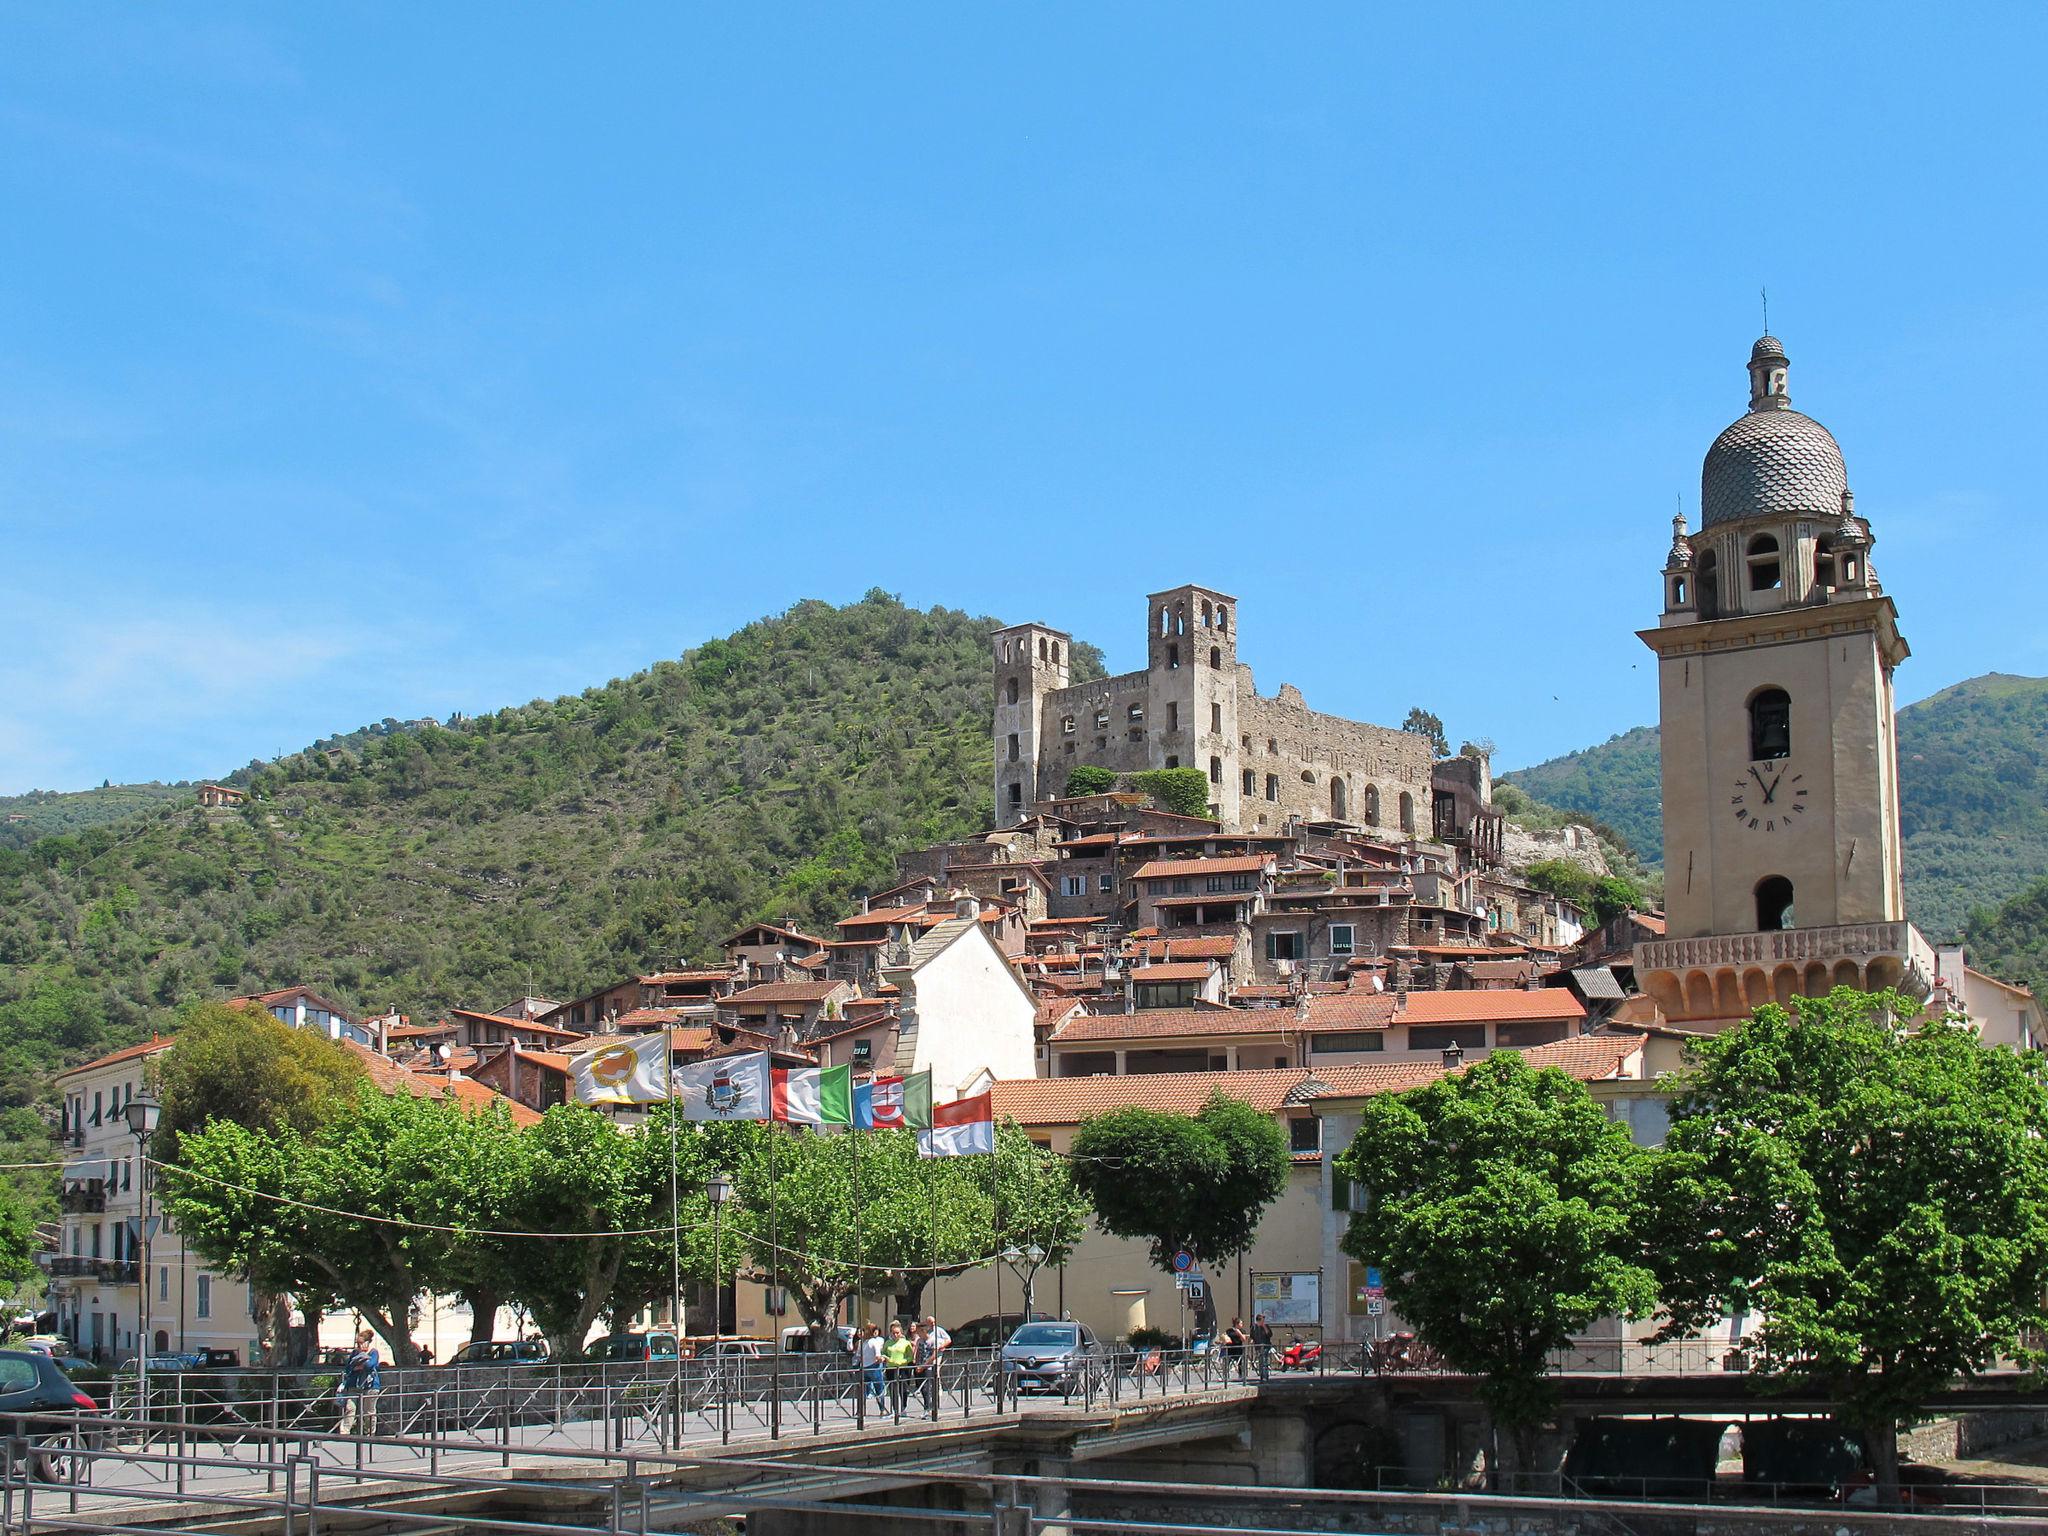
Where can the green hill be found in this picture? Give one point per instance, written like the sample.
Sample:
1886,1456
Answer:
48,812
1973,794
2011,940
552,846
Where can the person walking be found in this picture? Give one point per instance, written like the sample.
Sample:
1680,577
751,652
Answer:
361,1382
868,1353
1234,1341
899,1361
1262,1341
927,1354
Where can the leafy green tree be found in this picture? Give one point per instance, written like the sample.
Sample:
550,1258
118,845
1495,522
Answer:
1183,791
242,1064
368,1210
572,1173
18,1241
1422,722
1561,878
1873,1188
1200,1182
1500,1206
1610,897
1090,780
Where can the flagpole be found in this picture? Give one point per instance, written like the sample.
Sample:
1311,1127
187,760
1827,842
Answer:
675,1213
859,1235
775,1280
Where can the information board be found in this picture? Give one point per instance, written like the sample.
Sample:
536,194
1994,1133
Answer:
1289,1299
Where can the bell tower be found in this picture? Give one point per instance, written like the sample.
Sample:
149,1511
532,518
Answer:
1191,682
1031,661
1776,650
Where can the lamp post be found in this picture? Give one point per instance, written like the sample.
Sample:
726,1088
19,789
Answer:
718,1190
142,1114
1026,1261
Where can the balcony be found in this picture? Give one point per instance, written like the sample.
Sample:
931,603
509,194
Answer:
83,1195
71,1265
117,1271
1727,975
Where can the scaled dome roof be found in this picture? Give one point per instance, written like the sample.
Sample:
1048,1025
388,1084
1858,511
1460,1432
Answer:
1772,459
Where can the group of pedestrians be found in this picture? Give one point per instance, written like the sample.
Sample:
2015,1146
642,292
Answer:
1243,1346
903,1360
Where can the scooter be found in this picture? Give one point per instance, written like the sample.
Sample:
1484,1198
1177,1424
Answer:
1299,1355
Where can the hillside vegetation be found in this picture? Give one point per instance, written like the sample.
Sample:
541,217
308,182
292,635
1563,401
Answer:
1973,792
48,812
771,774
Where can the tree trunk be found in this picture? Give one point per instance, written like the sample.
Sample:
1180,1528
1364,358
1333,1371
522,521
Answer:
483,1313
1881,1439
910,1296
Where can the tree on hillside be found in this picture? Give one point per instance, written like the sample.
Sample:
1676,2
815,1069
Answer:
1500,1207
1199,1182
1873,1188
367,1210
1421,722
1610,897
242,1064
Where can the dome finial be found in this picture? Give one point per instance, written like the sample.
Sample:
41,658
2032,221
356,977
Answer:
1768,367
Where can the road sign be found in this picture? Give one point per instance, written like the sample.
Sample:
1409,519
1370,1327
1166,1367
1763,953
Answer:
1375,1307
1188,1282
1183,1261
1372,1278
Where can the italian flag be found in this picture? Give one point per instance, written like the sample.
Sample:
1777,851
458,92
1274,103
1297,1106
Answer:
960,1128
814,1095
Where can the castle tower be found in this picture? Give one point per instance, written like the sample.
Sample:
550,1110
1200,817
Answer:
1776,650
1191,687
1031,661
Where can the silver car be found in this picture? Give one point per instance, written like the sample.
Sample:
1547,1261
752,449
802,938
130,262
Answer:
1052,1357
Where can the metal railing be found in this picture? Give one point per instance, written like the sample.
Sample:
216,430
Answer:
293,1478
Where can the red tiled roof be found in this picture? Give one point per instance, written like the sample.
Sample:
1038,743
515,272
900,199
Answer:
1243,864
662,978
1070,1100
1475,1007
786,992
417,1031
1051,1010
1191,970
1357,1008
1210,900
471,1094
1219,946
147,1047
526,1026
883,915
1174,1023
1588,1057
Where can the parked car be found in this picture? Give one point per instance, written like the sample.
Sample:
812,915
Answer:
31,1384
1052,1357
650,1344
987,1332
798,1341
501,1352
734,1349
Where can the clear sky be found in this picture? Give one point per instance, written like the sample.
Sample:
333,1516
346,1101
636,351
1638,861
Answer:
364,360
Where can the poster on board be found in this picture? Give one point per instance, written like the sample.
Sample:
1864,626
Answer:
1289,1299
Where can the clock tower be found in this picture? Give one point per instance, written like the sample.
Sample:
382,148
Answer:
1775,655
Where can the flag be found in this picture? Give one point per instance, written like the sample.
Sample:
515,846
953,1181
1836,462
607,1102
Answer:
889,1103
814,1095
726,1088
630,1072
960,1128
878,1104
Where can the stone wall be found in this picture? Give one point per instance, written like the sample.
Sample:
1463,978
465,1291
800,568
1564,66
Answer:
1303,750
1577,845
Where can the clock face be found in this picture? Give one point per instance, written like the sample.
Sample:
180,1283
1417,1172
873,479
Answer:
1769,797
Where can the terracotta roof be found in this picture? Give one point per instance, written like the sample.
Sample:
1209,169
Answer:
1070,1100
1209,947
1243,864
1068,922
787,933
1499,970
1164,1023
1092,840
1355,1079
286,994
1213,898
1475,1007
148,1047
786,992
417,1031
529,1026
1190,970
471,1094
1051,1010
1588,1057
883,915
1652,921
1358,1008
660,978
554,1061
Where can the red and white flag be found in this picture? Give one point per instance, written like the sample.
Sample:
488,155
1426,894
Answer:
960,1128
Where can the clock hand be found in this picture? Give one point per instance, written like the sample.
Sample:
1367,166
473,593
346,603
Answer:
1760,784
1771,789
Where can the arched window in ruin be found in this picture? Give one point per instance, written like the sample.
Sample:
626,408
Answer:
1308,776
1041,647
1770,724
1407,811
1371,806
1055,652
1136,713
1206,620
1766,570
1215,770
1223,618
1066,725
1216,658
1180,618
1251,782
1709,587
1272,786
1773,904
1339,800
1010,690
1172,656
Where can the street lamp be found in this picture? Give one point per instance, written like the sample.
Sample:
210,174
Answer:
142,1114
718,1190
1026,1262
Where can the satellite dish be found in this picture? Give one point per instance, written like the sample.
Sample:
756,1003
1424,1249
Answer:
443,1053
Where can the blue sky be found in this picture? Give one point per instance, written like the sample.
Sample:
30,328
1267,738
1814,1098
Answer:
393,360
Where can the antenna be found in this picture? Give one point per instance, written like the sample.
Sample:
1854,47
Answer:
1765,295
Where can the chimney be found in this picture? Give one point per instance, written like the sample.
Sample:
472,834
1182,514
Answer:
1454,1057
966,904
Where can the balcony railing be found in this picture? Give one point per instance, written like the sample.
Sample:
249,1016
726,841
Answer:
83,1195
72,1265
1795,946
117,1271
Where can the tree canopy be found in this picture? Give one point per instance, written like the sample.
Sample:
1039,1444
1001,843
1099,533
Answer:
1422,722
1500,1207
242,1064
1199,1182
1872,1188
